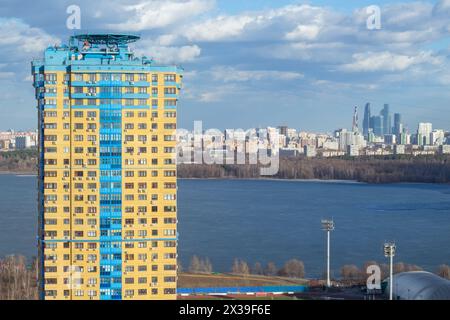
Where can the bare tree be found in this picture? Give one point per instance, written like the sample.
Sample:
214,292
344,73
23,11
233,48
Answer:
240,267
17,279
444,271
270,269
195,265
206,265
257,269
399,267
350,272
293,268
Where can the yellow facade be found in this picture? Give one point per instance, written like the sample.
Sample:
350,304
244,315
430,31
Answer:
107,231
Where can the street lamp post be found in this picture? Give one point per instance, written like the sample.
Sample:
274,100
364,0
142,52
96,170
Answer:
328,226
389,252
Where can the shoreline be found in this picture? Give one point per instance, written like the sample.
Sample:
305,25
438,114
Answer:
280,179
33,174
19,173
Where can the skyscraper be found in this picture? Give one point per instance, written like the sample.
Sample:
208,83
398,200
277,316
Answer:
377,122
366,120
398,126
387,123
107,172
424,130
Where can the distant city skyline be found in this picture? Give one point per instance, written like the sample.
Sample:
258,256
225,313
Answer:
258,63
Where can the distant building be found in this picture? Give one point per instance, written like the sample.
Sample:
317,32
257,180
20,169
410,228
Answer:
399,149
353,150
387,127
437,137
444,149
23,142
377,122
424,133
366,120
398,126
288,152
310,151
283,130
390,139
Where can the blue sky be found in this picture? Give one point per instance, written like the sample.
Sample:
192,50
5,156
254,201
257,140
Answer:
305,64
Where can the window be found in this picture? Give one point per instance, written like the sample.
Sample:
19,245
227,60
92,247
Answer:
170,102
170,77
50,77
170,90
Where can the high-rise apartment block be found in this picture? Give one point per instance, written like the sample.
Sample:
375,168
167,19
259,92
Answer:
107,172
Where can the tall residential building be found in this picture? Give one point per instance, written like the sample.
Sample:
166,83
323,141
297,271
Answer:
387,124
424,133
366,120
107,173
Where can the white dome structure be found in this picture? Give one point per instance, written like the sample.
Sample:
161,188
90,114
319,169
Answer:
419,285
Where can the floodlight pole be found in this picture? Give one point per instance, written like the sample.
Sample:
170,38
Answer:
391,276
328,259
389,252
328,226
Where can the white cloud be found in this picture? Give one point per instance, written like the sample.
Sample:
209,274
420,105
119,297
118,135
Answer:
264,25
219,28
304,32
387,61
22,39
151,14
163,54
230,74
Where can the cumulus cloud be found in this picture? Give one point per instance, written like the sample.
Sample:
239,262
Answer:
387,61
230,74
22,39
151,14
168,54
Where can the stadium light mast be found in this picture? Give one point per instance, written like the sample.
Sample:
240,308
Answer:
389,252
328,226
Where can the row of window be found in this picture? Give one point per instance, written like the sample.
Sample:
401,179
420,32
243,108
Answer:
110,173
127,138
92,257
127,221
95,102
110,197
127,209
106,113
169,77
93,246
117,90
115,233
93,293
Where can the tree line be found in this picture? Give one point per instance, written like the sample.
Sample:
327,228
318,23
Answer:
295,268
380,169
371,169
18,279
19,161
